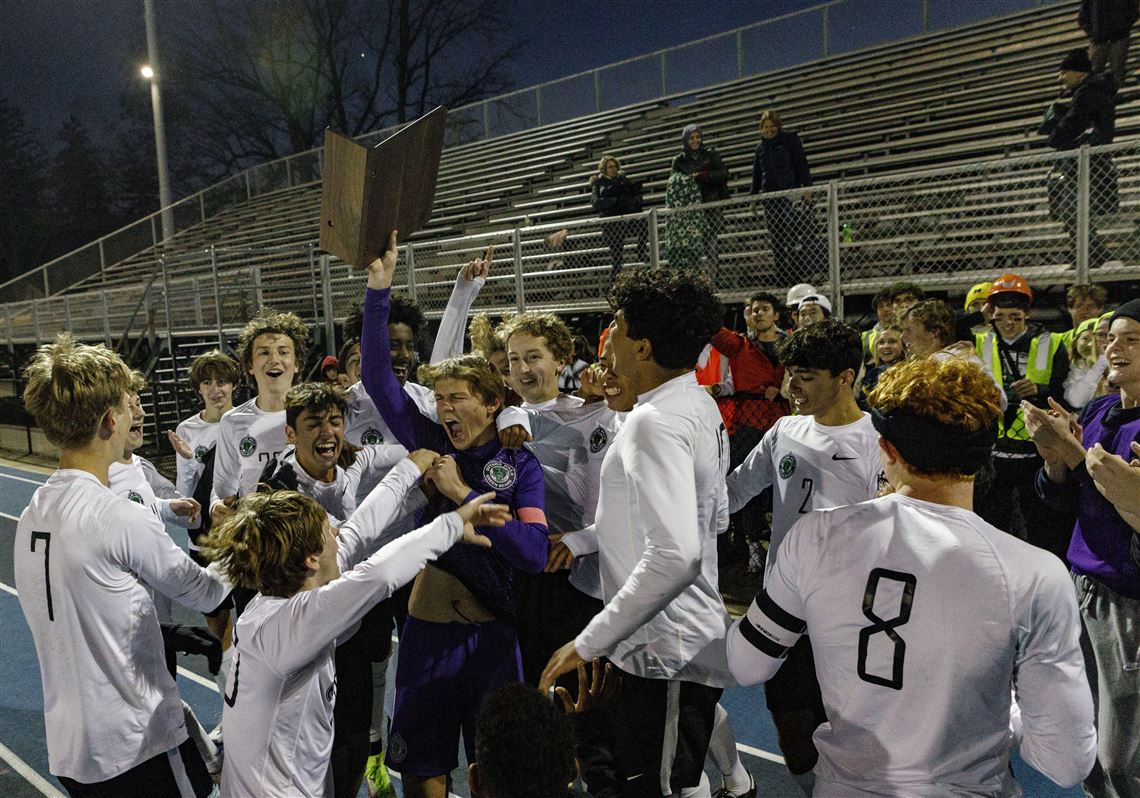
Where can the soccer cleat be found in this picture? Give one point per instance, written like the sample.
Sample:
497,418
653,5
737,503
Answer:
723,792
376,774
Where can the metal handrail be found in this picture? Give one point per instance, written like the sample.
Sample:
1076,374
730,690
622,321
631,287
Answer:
245,175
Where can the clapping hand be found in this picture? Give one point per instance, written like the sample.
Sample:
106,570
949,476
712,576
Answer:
1055,432
179,445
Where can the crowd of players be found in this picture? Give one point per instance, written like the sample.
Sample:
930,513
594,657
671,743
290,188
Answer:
950,568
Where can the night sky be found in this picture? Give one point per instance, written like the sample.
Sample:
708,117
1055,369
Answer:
75,56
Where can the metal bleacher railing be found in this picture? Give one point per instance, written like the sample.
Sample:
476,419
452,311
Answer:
1055,217
828,29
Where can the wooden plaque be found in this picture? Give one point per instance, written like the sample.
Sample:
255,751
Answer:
367,192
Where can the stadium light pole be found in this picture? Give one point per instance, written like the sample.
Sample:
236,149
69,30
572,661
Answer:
153,73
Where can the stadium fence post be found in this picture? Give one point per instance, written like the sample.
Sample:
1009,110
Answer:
106,321
326,288
410,257
255,270
327,304
654,240
833,247
217,297
67,312
169,337
520,296
1082,264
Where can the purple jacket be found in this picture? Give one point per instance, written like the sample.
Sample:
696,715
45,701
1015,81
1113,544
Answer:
1101,538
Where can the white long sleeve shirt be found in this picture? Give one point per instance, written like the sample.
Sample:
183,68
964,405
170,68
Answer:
200,436
278,709
662,489
248,439
922,616
81,557
363,424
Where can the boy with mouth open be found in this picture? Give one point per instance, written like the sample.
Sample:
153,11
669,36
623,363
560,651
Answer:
825,456
458,642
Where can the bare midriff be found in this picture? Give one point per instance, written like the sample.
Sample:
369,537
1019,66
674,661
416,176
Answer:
439,597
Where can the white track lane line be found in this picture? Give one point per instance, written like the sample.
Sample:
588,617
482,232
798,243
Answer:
10,517
21,479
28,772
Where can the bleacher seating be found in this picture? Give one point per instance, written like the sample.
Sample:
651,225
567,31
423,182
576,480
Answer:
946,98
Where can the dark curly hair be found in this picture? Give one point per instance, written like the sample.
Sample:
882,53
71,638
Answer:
524,745
405,311
827,344
675,309
270,322
766,296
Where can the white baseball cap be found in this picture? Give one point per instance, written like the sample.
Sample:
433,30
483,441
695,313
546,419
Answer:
816,299
798,292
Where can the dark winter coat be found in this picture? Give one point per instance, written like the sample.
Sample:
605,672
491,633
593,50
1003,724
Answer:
1108,20
780,164
706,167
617,196
1092,106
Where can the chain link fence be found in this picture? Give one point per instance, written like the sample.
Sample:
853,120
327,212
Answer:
1053,218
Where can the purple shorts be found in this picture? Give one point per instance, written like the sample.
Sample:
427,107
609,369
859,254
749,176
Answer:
443,671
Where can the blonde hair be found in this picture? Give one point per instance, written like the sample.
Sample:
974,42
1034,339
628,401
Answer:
606,159
263,544
71,386
138,381
271,322
894,328
542,325
771,114
486,338
472,369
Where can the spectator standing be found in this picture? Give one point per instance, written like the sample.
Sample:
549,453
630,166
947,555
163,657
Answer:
884,306
779,164
686,228
1106,576
1083,302
1087,367
707,168
1109,24
614,194
1028,363
1089,117
888,351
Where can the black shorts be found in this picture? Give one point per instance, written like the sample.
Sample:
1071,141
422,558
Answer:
352,712
174,774
643,711
551,613
795,686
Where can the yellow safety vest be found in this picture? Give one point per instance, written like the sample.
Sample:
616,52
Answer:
869,338
1038,369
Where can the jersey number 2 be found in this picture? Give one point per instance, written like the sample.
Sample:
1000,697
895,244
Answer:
46,538
886,626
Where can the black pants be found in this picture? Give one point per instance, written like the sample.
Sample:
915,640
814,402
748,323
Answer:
614,235
1013,487
154,778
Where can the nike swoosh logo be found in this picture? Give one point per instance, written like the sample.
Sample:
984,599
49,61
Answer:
837,457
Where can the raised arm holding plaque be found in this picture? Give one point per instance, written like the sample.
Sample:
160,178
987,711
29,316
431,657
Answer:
368,192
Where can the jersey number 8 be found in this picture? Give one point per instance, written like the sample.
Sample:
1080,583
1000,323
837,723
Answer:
885,625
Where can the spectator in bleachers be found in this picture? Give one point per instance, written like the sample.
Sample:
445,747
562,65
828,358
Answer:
330,370
779,165
795,294
685,230
614,194
1083,113
883,305
705,166
1084,302
813,308
1109,24
888,351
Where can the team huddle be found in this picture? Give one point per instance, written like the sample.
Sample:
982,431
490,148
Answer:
513,534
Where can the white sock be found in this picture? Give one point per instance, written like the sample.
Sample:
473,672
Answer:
379,686
725,756
702,790
806,781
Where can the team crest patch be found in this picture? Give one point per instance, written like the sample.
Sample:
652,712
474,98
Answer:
135,496
598,440
371,437
247,446
397,749
787,465
200,453
330,693
498,474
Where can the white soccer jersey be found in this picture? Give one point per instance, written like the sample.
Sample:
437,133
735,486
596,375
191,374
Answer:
363,424
659,512
81,557
200,436
278,709
570,438
248,439
811,466
135,481
921,617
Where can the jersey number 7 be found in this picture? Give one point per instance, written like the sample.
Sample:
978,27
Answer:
46,538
